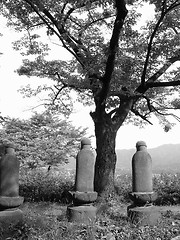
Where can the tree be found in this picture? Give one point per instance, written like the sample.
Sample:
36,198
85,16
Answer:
42,140
125,71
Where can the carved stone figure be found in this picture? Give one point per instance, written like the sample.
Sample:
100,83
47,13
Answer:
9,186
82,210
142,210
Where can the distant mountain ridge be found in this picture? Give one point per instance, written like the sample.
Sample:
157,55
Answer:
164,158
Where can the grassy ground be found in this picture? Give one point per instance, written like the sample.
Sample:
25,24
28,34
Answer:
47,221
45,213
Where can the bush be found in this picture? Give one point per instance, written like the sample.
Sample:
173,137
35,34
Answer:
167,185
123,186
38,185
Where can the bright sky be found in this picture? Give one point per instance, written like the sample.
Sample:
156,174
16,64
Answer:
13,105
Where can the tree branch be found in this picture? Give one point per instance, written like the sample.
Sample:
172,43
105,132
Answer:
148,103
143,77
62,35
95,21
68,14
67,85
37,106
140,115
164,12
41,17
118,24
166,114
163,69
151,81
40,5
161,106
163,84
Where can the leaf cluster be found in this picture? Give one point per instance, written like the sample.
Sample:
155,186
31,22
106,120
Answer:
43,139
110,64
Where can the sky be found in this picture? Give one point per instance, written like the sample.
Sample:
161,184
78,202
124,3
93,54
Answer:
14,105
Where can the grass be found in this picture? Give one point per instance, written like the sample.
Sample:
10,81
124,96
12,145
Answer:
45,211
41,222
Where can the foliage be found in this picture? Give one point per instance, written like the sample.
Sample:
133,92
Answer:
123,186
42,139
165,184
143,54
168,188
42,185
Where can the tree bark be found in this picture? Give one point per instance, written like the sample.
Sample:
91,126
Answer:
106,127
105,159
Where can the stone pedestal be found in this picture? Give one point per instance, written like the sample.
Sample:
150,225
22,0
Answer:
9,187
147,215
84,197
143,198
10,217
82,214
82,210
142,210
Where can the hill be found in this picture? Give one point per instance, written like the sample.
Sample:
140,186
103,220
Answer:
165,158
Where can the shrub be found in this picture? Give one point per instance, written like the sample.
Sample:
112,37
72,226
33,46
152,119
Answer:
38,185
167,185
123,186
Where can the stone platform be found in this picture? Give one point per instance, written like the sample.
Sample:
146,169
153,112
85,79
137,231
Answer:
148,215
10,218
81,214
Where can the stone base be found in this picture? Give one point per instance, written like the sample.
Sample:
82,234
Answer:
149,215
81,214
84,197
10,202
141,198
10,217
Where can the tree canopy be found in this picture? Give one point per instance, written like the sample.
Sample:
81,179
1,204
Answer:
88,30
42,140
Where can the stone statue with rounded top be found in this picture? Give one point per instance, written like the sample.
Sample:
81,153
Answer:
142,195
9,186
84,195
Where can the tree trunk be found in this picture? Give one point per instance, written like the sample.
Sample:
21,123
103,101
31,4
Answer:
106,159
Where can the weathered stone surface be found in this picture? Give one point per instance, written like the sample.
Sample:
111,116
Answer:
9,187
144,215
10,202
142,211
9,172
142,169
85,141
85,161
84,197
79,210
82,214
143,198
10,217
